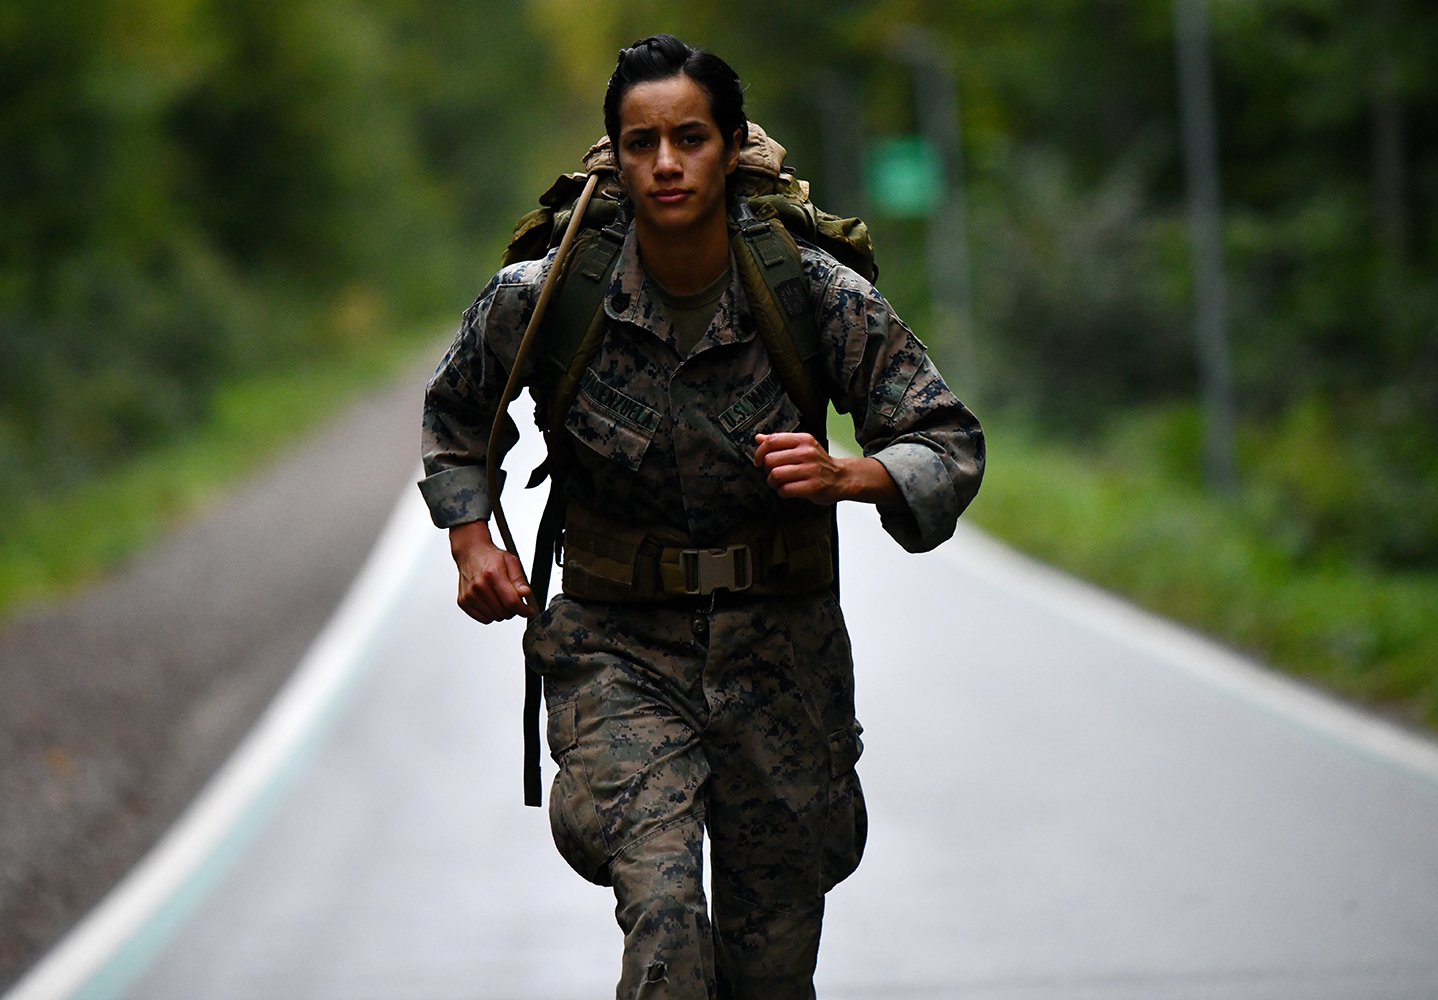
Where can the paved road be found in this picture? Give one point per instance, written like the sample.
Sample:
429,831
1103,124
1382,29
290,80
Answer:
117,702
1068,801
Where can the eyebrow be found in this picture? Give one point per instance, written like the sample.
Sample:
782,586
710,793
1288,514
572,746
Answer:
692,123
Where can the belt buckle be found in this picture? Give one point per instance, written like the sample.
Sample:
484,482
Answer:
708,570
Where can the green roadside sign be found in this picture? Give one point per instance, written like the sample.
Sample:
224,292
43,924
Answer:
905,176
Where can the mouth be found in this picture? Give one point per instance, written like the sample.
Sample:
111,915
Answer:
669,196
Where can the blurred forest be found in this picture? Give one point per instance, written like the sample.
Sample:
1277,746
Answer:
196,190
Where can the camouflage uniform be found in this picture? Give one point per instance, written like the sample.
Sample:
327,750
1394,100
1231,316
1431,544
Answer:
736,715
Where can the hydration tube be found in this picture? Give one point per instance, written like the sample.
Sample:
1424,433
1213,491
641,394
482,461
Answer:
511,387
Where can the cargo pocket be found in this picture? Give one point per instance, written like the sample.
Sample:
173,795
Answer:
847,827
572,819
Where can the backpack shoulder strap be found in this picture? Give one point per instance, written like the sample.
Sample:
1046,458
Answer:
770,270
576,320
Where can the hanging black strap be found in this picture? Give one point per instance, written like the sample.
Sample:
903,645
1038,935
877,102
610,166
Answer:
533,695
546,547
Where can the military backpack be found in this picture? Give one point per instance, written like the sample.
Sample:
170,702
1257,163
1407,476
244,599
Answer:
774,215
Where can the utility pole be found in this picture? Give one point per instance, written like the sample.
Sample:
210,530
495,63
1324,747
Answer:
1205,223
937,110
843,145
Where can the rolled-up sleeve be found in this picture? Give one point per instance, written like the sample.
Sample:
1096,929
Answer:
904,413
462,398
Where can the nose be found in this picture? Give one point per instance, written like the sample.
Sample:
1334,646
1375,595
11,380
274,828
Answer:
666,160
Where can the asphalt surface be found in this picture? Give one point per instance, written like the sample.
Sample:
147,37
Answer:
1067,801
117,704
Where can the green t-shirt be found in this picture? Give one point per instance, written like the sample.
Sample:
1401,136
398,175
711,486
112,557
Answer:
691,314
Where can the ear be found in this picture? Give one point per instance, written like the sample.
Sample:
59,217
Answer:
736,144
619,175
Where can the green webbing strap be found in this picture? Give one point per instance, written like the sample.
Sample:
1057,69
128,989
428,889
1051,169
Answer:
577,321
769,269
609,560
779,295
773,279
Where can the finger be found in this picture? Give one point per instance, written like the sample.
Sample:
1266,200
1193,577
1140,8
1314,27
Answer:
519,597
505,602
515,571
773,455
795,447
792,481
769,444
489,599
762,450
789,439
477,609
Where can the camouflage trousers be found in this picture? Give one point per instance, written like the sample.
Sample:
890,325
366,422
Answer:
667,722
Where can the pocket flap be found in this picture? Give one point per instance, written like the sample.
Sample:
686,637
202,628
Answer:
562,733
845,749
611,422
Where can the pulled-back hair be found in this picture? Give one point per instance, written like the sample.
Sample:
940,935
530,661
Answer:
661,57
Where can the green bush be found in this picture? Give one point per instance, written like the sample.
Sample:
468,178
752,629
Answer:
1108,514
1346,483
1075,315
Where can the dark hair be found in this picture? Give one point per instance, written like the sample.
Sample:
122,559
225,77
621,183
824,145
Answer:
660,57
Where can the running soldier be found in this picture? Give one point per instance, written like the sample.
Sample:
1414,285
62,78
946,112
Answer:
696,667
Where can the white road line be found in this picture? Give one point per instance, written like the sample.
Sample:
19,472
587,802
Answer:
281,734
1172,645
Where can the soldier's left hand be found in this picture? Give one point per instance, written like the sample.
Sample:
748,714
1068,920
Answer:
798,466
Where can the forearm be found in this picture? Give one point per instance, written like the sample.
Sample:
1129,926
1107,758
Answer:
462,399
458,420
469,536
867,481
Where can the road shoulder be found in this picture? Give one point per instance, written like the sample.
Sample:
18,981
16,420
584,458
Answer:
119,702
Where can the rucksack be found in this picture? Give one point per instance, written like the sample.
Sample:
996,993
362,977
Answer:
774,215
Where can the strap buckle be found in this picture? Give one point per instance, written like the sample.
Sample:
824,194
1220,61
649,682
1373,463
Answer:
708,570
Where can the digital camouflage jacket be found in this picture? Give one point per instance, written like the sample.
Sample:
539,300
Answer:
664,440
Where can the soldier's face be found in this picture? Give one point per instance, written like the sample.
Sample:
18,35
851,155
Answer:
673,159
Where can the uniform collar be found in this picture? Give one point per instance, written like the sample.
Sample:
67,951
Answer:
632,298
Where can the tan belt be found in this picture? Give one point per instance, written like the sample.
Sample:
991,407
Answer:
607,560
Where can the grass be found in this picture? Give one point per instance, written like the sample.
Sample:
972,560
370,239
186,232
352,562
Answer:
1368,635
55,544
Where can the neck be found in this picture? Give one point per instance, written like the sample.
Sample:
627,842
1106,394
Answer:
685,263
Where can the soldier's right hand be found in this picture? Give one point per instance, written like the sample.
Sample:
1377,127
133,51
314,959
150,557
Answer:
492,586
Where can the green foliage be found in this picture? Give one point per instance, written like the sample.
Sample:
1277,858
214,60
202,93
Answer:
1073,301
1113,515
1354,483
195,191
